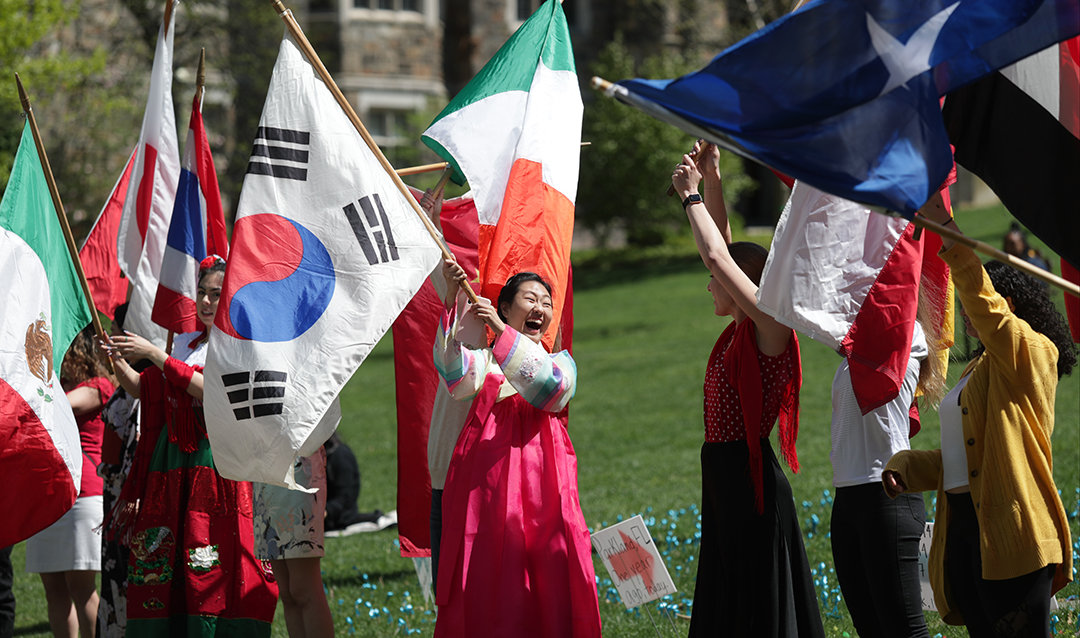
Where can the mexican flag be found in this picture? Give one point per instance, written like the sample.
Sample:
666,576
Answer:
44,309
514,132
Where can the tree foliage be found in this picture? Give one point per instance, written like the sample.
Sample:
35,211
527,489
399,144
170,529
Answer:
627,168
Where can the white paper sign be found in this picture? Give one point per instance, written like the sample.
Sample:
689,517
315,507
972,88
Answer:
631,559
924,568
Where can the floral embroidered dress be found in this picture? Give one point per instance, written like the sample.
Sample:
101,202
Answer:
192,570
121,419
516,554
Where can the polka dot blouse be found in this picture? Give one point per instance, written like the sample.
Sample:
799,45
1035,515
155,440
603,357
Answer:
723,410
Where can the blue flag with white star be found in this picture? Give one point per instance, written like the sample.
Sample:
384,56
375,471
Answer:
844,94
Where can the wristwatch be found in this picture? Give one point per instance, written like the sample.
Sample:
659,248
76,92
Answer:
692,198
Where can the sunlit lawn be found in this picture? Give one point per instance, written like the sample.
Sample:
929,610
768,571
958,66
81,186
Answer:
643,332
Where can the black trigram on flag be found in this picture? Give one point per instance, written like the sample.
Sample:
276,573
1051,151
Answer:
378,246
255,394
279,152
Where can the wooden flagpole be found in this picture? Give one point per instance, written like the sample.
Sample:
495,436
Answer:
438,166
999,255
59,207
447,172
423,168
313,57
982,247
168,16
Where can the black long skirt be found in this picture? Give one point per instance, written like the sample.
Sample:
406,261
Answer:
753,577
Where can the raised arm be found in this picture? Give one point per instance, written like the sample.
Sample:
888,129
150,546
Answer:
461,368
712,186
133,347
772,336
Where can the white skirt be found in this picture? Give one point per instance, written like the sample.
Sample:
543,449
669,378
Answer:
69,544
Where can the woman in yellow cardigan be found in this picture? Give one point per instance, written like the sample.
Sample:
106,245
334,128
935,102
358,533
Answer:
1001,545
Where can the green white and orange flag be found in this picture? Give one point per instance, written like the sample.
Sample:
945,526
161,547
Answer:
44,308
514,132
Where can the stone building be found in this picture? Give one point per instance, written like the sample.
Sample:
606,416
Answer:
388,55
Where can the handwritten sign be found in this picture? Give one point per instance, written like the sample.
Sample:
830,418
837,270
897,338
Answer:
631,559
924,568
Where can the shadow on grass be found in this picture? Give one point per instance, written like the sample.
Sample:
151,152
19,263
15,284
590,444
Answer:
41,627
356,578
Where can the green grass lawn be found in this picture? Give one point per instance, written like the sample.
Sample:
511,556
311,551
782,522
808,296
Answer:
643,333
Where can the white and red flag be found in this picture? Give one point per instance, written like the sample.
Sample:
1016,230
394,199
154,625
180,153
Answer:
148,206
514,132
197,229
325,253
849,278
108,286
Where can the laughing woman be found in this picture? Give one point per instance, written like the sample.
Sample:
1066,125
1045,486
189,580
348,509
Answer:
516,556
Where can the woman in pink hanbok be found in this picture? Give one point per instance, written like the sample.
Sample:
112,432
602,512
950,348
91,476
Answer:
516,554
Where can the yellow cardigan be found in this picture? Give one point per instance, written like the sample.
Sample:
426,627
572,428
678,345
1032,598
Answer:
1007,411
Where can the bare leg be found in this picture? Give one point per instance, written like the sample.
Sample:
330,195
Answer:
83,589
307,614
62,619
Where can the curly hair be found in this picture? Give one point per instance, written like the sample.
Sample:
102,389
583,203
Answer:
1031,302
83,360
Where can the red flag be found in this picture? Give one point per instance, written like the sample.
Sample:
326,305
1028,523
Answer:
108,286
416,380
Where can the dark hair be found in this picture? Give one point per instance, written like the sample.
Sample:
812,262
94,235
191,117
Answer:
750,257
219,266
83,360
120,314
513,284
1031,302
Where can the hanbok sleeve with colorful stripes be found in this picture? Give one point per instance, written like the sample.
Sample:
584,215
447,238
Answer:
463,369
546,381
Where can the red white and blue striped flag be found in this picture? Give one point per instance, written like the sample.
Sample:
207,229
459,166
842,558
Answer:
197,229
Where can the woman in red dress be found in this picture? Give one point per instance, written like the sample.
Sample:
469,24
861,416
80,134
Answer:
192,570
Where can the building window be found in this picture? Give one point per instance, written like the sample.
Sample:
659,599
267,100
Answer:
387,126
525,8
389,5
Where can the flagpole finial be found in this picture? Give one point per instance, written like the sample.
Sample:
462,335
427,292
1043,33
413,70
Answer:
168,16
200,78
600,83
24,97
279,7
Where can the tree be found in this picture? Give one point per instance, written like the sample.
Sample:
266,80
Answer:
627,167
80,87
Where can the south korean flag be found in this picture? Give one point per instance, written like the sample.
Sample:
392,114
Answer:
326,252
